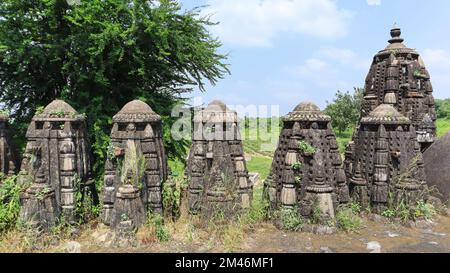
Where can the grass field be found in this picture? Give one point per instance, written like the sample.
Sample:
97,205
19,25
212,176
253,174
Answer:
443,126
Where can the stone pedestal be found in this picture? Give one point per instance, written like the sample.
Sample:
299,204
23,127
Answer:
39,208
128,206
358,188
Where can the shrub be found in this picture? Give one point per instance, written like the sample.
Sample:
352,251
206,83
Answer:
289,219
9,202
347,217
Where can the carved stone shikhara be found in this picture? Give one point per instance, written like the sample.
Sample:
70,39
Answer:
307,171
57,158
216,168
131,190
398,74
385,157
8,156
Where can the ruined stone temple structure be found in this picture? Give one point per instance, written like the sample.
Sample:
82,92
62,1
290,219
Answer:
384,157
437,167
216,168
398,73
136,167
307,170
57,162
8,157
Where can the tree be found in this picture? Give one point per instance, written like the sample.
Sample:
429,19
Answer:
98,55
443,108
345,109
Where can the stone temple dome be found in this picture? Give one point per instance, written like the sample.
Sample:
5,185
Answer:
216,112
138,111
58,109
307,111
385,114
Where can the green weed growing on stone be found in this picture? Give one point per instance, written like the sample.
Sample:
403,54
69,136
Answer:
347,217
10,192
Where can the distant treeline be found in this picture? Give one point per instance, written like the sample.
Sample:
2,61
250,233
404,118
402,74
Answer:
443,108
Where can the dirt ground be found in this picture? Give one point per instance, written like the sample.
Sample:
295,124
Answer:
387,238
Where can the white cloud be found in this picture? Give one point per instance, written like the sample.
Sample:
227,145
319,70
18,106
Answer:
315,71
374,2
345,57
257,23
436,59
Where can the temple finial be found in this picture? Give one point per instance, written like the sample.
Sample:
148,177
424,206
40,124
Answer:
396,32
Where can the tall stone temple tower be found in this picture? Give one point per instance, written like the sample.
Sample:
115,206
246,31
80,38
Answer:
398,74
8,157
57,161
385,157
136,166
307,170
216,169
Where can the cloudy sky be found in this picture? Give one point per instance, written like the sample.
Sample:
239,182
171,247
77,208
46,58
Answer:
286,51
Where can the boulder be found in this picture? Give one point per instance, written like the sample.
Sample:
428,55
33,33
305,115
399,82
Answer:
437,166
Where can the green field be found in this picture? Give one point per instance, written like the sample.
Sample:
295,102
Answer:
443,126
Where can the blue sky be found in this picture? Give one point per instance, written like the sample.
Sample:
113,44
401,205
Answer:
283,52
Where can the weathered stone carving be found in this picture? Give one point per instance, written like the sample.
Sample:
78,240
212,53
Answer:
398,74
8,158
307,170
136,166
57,157
216,169
385,157
437,166
39,208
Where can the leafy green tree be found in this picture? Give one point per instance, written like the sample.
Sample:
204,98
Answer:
98,55
345,109
443,108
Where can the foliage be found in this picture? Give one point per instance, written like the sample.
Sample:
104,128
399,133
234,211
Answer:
40,195
9,202
443,126
404,211
85,208
258,208
306,147
289,219
98,55
345,109
134,164
4,112
172,194
443,108
296,166
161,231
347,217
424,210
